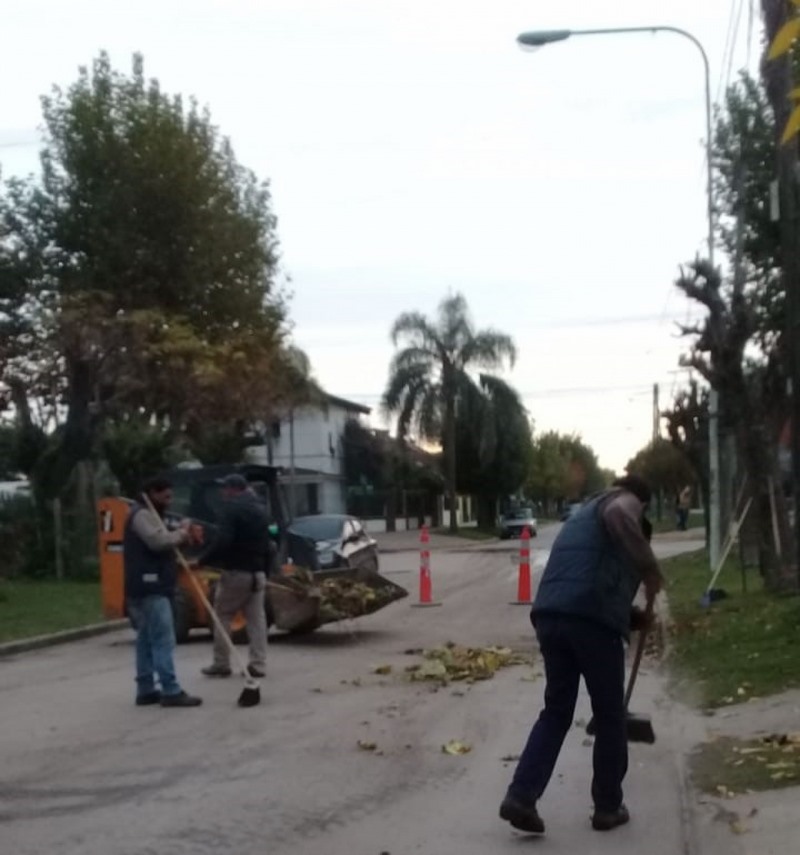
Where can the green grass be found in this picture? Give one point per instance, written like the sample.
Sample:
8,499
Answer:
468,533
668,523
745,646
29,608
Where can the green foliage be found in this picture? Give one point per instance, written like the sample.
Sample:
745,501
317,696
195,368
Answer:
136,277
430,374
493,443
663,466
563,468
136,451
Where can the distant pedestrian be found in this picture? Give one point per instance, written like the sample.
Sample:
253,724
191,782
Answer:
150,580
242,550
684,504
582,613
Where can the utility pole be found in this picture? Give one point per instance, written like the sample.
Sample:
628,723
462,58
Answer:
656,414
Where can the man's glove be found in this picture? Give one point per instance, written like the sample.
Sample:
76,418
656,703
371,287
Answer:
641,621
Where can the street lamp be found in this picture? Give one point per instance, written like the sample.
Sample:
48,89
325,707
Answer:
539,39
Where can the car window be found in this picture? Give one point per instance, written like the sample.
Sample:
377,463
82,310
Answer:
319,528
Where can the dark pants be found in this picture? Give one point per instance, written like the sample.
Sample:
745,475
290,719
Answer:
573,648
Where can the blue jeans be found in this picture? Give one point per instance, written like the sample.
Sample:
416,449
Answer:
155,643
573,648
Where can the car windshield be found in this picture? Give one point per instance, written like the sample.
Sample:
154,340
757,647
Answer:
520,514
319,528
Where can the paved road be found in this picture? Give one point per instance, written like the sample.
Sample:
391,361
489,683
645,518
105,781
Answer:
82,771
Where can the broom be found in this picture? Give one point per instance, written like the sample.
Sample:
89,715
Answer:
638,728
251,693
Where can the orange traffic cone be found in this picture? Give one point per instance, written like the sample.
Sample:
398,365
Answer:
425,583
524,576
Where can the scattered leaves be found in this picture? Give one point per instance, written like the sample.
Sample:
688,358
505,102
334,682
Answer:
455,747
453,662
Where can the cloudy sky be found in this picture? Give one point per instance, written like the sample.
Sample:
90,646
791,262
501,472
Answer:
413,150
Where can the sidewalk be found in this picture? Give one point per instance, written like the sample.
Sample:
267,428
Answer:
408,541
757,823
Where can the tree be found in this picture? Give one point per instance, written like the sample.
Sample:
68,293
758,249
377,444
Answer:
665,468
563,468
494,445
430,376
136,276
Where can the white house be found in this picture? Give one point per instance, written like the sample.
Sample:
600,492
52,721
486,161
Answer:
318,484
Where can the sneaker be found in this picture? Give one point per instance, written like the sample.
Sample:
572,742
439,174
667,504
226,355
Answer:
255,672
180,700
148,699
522,816
217,671
606,820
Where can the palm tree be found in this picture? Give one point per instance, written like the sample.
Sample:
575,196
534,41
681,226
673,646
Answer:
431,373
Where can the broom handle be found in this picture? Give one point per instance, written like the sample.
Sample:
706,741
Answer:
201,594
637,659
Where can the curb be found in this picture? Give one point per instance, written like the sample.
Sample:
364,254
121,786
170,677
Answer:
79,633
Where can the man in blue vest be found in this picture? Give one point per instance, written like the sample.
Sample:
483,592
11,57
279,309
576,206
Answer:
582,615
150,579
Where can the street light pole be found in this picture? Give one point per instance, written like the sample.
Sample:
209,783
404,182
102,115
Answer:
541,38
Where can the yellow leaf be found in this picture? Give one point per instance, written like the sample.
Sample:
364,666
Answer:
383,669
366,746
784,38
792,127
455,747
737,827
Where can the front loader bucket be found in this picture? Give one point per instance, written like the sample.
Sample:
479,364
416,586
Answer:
334,595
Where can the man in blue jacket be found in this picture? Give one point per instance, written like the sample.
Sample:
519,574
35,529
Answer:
582,615
150,579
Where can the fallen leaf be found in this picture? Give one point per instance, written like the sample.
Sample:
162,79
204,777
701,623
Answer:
383,669
737,827
455,746
356,682
510,758
366,746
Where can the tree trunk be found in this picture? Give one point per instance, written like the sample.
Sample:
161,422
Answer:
779,83
450,454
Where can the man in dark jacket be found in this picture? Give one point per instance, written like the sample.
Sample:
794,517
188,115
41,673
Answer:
241,549
150,578
582,614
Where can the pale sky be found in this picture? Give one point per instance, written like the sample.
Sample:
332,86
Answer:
413,150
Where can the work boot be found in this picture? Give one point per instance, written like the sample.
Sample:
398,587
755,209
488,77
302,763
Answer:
522,816
606,820
180,700
147,699
255,672
217,671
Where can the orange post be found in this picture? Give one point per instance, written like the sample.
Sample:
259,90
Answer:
524,577
425,583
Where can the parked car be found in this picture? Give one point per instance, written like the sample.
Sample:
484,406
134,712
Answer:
512,522
342,541
15,490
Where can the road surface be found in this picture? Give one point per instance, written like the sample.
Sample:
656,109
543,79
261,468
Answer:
84,772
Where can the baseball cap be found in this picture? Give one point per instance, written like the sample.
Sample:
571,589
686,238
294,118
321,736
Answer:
233,482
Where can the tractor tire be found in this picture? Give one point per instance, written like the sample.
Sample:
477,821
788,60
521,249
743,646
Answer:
182,616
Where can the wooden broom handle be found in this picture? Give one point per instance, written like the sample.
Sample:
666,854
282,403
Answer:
637,659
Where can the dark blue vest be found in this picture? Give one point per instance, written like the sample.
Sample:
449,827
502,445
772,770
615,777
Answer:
146,572
587,575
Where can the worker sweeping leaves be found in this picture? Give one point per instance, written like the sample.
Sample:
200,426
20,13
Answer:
150,579
581,614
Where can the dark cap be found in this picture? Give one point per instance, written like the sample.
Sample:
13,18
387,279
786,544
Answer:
233,482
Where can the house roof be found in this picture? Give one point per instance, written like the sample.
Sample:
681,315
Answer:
347,405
